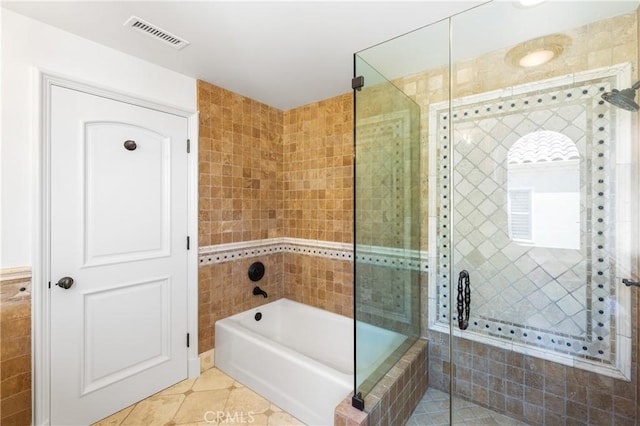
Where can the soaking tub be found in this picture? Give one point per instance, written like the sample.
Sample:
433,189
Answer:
296,356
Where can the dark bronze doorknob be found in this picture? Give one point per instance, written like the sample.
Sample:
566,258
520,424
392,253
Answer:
65,282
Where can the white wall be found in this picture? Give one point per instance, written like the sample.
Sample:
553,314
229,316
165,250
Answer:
28,45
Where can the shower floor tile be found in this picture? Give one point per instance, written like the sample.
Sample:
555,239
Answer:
433,409
211,399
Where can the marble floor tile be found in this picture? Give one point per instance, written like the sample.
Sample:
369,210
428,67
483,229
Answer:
115,419
156,410
205,405
212,379
212,399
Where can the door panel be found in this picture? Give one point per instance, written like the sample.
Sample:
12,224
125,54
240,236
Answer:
140,307
114,233
118,228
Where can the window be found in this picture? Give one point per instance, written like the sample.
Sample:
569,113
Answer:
520,215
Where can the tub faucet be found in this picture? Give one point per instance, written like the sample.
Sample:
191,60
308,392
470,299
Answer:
258,291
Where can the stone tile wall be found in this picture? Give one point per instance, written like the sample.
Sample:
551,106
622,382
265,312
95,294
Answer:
15,347
225,289
320,282
240,163
265,173
317,178
531,389
396,395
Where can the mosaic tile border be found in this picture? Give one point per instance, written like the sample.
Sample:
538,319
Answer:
248,249
375,255
611,357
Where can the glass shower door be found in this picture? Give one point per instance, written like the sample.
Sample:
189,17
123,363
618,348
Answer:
386,226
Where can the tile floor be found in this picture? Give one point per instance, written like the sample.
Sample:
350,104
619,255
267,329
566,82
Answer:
433,409
216,399
211,399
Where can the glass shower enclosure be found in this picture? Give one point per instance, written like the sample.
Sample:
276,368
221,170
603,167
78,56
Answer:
496,200
387,226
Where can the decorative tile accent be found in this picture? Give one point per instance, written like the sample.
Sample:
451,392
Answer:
249,249
374,255
562,300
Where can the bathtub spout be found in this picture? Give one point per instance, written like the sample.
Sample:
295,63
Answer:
258,291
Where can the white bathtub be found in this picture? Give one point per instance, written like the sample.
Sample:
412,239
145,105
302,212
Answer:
297,356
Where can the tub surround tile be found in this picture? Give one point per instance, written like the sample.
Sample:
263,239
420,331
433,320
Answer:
394,398
229,291
267,174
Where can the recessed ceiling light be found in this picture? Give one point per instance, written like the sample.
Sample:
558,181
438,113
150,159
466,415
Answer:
536,58
538,51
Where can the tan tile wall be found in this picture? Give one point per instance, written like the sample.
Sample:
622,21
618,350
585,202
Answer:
15,351
240,162
265,173
320,282
318,170
225,289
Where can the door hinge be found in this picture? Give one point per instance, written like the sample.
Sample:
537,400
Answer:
187,339
188,243
188,146
49,284
357,83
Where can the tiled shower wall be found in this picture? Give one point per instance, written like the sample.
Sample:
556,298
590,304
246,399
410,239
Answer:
522,386
266,174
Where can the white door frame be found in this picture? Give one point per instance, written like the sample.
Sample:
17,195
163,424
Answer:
40,297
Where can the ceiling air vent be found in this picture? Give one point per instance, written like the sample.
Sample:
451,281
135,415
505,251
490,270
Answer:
158,33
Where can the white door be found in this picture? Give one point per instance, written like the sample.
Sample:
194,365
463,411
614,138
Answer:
119,230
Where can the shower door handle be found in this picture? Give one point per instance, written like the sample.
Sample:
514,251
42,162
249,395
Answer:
464,301
630,283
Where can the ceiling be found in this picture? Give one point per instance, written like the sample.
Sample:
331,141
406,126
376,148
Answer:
285,54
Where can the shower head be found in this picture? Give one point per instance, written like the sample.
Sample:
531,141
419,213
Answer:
624,99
